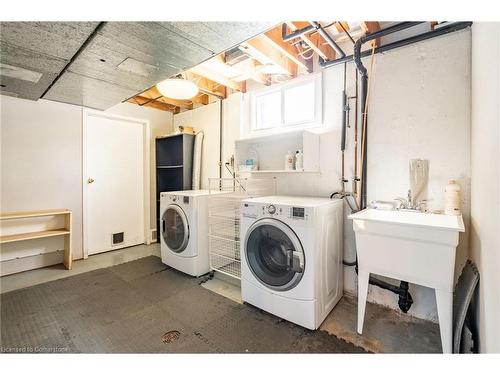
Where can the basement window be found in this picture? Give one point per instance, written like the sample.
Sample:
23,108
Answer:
291,105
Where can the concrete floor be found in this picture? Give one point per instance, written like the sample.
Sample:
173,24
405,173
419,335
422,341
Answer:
385,330
94,262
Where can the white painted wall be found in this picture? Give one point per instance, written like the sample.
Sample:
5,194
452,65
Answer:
41,166
419,108
231,124
206,119
41,161
485,189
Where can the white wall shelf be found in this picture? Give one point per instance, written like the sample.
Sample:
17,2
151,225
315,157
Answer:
271,151
275,171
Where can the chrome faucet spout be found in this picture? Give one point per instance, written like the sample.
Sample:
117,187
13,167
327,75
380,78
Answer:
410,200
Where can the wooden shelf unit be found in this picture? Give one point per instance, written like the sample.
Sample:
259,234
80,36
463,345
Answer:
66,231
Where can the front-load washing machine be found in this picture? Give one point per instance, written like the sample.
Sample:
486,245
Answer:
184,230
291,264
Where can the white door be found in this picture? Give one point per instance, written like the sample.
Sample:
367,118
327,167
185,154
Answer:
114,183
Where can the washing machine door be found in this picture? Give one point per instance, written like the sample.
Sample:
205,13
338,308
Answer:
274,254
175,228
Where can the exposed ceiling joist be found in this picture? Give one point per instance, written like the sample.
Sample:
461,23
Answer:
203,71
250,70
266,54
148,102
153,93
370,27
206,85
341,26
313,40
275,39
201,99
183,104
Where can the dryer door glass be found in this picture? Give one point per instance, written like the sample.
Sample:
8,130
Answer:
175,230
274,254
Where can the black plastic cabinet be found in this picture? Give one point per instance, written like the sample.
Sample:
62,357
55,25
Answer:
174,167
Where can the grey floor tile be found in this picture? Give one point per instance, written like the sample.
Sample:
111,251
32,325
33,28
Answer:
138,268
199,307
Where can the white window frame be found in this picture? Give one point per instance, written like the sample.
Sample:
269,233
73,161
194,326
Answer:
318,107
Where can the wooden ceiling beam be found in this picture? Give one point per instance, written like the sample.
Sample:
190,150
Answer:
339,24
206,85
314,40
201,99
275,39
249,69
217,77
183,104
153,93
148,102
260,49
370,27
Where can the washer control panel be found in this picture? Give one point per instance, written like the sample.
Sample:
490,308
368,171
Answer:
179,199
256,211
271,210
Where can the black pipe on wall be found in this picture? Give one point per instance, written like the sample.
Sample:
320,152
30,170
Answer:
364,91
442,30
405,300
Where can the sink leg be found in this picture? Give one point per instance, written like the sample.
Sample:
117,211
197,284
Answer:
363,278
444,301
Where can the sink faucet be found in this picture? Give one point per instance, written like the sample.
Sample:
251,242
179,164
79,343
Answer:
407,204
404,203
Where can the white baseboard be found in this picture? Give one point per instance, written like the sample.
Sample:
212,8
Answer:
8,267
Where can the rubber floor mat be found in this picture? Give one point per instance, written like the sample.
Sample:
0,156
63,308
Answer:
145,307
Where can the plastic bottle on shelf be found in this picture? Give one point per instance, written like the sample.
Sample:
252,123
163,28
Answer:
452,198
299,160
289,161
252,161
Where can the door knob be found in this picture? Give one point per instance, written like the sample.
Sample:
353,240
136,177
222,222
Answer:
90,180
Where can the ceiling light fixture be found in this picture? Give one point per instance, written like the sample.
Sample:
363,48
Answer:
177,88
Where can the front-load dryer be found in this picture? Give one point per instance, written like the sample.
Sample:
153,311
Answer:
291,264
184,230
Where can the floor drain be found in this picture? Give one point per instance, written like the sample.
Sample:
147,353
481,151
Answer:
170,337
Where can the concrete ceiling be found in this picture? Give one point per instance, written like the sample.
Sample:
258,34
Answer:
99,65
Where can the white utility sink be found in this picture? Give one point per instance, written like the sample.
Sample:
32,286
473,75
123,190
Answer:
411,246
